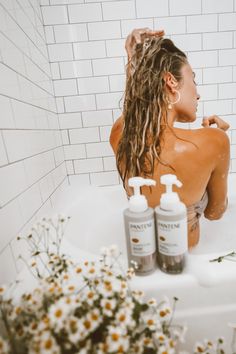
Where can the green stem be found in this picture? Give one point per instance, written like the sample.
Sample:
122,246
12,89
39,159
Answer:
220,259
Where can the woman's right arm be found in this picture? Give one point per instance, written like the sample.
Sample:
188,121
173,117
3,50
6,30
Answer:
220,123
137,36
217,185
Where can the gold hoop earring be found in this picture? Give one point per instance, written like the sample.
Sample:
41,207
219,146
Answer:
170,104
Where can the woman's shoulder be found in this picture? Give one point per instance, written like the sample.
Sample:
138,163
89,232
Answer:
207,137
213,136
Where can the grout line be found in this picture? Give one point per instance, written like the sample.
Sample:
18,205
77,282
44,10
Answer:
35,12
22,30
29,156
5,148
24,54
25,102
31,185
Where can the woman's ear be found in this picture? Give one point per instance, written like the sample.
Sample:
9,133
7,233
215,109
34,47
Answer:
171,82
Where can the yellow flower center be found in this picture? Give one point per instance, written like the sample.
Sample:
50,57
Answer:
146,341
58,313
115,337
108,306
73,326
122,318
18,310
123,285
34,326
121,349
87,324
94,316
48,344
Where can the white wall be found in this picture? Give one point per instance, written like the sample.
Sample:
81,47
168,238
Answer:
32,163
86,49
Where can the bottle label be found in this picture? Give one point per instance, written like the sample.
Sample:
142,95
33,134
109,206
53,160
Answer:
142,238
172,237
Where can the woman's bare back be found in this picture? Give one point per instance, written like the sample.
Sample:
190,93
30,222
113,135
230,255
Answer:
200,159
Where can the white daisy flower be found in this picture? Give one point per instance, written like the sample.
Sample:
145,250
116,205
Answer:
165,350
95,317
17,310
150,322
108,306
130,273
138,295
90,296
48,344
58,313
74,329
3,290
148,342
105,288
44,324
116,341
128,303
124,318
199,348
152,302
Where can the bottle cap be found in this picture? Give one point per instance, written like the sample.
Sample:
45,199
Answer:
138,202
170,199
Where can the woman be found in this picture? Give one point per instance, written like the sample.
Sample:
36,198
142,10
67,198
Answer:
160,90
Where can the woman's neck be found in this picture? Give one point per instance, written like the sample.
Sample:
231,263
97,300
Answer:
171,118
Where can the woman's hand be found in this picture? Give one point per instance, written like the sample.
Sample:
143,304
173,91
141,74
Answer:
221,124
137,36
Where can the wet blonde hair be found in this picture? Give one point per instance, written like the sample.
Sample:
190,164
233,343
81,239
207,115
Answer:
145,105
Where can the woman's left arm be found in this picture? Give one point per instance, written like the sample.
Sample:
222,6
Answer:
217,184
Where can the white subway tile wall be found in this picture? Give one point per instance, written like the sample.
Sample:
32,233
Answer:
88,66
32,163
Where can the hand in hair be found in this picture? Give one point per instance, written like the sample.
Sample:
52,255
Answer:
137,36
221,124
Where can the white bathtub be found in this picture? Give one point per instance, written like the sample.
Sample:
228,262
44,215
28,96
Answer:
206,291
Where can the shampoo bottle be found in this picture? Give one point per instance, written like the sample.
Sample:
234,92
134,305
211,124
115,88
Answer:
140,229
172,232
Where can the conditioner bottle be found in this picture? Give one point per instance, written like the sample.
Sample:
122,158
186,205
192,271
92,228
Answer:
140,229
172,233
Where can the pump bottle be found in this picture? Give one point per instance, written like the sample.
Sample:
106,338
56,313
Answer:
172,232
140,229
